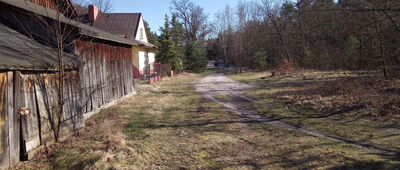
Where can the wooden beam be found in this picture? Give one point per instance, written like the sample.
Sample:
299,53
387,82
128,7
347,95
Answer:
5,154
13,117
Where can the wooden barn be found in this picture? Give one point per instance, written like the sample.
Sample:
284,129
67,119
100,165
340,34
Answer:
96,70
127,25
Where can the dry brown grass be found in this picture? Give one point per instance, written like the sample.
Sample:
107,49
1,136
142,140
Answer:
88,148
348,105
169,126
376,97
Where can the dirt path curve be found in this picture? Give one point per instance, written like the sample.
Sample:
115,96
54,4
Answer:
217,84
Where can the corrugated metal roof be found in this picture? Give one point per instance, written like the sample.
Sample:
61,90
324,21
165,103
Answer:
83,28
18,52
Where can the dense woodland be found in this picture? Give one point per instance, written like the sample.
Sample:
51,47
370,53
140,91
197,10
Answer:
310,34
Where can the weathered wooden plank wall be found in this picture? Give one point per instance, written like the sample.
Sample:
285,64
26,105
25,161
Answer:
28,99
9,126
39,93
4,153
13,118
107,73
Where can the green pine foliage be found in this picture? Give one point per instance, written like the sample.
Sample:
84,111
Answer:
178,35
259,60
151,36
167,52
195,58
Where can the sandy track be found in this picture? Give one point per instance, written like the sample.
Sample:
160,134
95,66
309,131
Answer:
217,84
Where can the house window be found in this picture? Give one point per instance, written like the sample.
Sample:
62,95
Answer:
141,34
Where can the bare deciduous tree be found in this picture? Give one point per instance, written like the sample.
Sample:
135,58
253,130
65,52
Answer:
316,34
103,5
193,19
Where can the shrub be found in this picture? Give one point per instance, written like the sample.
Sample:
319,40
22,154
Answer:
195,60
286,67
259,60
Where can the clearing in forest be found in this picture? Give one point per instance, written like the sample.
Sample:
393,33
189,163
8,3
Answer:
174,125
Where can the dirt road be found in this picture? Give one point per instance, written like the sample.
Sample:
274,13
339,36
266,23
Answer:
171,125
217,84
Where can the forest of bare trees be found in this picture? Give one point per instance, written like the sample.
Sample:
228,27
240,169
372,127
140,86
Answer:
311,34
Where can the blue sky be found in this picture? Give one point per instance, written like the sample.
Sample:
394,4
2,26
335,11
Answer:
155,10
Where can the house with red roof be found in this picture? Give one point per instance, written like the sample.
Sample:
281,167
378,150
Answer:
126,25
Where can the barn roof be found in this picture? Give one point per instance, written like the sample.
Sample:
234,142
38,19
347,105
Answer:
83,28
19,52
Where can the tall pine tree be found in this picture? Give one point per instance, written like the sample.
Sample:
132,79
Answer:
167,50
151,36
195,58
178,35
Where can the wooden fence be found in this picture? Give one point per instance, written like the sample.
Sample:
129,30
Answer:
154,72
165,70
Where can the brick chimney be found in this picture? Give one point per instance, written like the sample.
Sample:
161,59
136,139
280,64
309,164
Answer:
93,12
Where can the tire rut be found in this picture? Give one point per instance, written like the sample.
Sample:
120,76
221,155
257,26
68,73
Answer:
219,84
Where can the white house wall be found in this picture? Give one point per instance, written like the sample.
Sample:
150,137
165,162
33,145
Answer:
141,54
152,57
142,60
139,59
141,27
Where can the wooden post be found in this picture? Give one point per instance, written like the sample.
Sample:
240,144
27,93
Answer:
13,116
5,140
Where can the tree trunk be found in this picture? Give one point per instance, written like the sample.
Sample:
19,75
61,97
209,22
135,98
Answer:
280,36
360,52
384,64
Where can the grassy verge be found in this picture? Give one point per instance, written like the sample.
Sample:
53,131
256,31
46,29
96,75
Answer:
71,159
169,126
352,123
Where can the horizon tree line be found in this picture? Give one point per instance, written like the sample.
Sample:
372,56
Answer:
311,34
